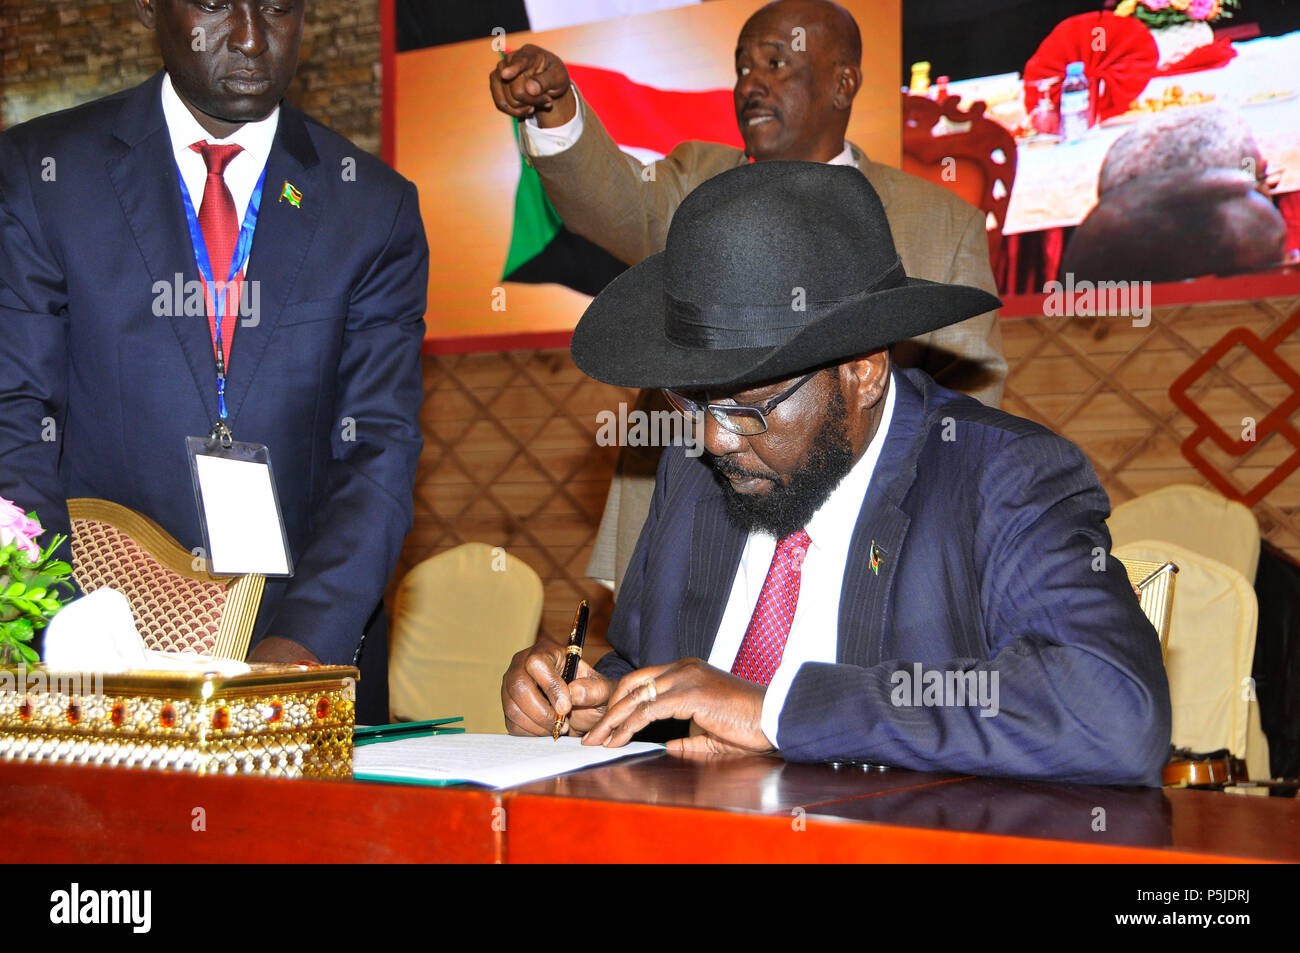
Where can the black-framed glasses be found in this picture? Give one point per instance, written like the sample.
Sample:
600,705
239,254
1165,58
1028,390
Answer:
747,420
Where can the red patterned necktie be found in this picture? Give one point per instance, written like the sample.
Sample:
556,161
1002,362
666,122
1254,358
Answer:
220,224
764,642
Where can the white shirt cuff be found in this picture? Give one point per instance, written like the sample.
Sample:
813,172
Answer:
540,142
774,701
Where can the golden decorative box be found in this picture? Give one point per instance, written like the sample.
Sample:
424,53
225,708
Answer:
278,721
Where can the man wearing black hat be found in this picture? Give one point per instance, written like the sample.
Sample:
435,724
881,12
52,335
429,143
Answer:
864,564
797,65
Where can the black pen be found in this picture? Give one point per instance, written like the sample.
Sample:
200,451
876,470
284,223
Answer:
572,653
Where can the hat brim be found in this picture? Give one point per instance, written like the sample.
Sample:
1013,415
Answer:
622,338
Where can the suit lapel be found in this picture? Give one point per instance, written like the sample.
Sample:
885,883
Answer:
280,244
864,596
145,178
716,545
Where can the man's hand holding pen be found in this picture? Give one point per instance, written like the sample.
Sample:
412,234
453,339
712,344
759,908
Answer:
533,692
727,710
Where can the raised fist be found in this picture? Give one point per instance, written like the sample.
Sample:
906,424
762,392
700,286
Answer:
531,81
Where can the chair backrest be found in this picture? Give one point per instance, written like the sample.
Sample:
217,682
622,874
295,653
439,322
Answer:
458,617
1157,599
177,607
977,161
1194,517
1211,650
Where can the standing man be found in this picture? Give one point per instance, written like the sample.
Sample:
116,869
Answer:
793,101
110,212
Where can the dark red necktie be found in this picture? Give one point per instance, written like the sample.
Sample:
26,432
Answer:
220,224
764,643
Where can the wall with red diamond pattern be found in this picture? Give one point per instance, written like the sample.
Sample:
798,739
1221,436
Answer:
1172,402
510,455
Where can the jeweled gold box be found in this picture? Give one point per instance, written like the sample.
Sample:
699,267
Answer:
278,721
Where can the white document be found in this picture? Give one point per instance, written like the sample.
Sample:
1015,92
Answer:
242,518
500,761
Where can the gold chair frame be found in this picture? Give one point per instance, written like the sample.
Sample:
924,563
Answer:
1157,599
243,594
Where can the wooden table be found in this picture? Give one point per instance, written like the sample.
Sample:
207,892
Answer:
656,808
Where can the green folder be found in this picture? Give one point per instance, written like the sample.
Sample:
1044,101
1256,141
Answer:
374,734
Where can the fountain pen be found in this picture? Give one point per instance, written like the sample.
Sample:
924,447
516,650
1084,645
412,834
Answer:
573,652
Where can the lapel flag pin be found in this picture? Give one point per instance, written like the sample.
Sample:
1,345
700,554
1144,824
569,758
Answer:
876,555
292,194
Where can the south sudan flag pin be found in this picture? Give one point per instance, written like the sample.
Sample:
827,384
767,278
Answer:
876,556
292,194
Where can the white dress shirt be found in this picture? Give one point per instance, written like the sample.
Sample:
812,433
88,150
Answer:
242,172
814,633
548,142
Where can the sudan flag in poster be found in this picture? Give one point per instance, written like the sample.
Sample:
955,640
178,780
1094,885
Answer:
646,123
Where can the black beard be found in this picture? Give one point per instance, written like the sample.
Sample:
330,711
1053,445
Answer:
787,509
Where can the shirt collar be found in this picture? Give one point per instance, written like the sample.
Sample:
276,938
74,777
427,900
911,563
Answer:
845,157
832,526
184,129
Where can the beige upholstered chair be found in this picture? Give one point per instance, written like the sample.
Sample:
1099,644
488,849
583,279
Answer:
177,608
1194,517
1210,651
458,617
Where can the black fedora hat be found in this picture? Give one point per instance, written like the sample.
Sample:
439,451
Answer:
770,270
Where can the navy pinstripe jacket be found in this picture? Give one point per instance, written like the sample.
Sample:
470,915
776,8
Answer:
993,545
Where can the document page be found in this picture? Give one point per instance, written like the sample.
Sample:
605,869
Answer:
500,761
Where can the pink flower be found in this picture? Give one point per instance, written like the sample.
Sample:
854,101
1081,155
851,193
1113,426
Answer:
1155,4
1200,9
17,527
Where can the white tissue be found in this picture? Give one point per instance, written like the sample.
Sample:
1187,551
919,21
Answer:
97,633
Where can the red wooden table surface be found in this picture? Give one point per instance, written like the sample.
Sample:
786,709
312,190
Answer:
101,815
648,809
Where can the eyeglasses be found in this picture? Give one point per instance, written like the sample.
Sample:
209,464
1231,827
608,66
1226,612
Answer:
744,419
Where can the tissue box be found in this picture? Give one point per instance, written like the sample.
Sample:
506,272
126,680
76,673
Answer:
278,721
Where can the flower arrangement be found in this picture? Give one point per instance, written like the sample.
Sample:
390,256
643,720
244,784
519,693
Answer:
1162,13
30,582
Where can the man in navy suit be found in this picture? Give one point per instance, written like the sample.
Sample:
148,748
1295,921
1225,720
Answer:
863,565
104,371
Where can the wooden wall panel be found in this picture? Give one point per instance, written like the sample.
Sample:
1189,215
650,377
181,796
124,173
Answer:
511,459
1105,384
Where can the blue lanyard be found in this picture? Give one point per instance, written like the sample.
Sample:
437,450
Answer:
243,247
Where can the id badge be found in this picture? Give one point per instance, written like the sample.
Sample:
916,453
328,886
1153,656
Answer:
239,510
